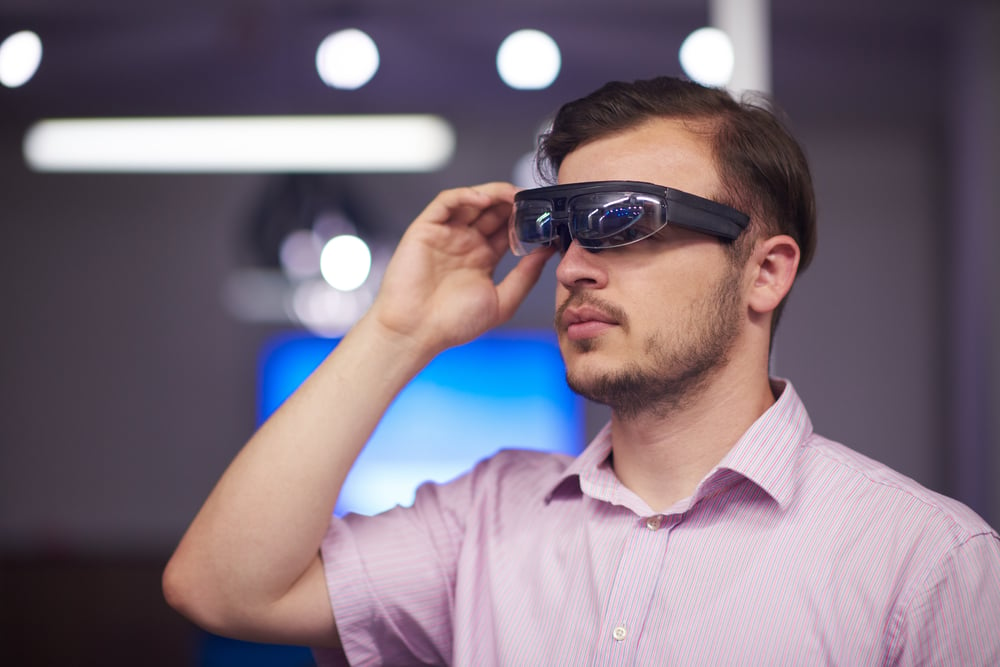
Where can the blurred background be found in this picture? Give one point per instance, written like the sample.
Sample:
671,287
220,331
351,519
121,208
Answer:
137,300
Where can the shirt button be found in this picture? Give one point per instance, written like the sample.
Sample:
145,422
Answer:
654,522
619,633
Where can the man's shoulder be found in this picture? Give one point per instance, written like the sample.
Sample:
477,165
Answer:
510,480
865,485
523,465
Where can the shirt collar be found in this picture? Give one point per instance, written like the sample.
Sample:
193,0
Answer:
765,455
767,452
591,471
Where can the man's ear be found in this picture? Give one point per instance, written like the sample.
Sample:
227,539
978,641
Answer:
774,264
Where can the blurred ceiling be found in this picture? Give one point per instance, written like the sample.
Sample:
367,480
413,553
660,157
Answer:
130,57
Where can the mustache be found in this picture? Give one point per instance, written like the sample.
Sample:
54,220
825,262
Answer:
579,299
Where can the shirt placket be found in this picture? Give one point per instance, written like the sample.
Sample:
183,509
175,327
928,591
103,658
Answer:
636,580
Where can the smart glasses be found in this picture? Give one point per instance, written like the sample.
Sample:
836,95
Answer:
611,214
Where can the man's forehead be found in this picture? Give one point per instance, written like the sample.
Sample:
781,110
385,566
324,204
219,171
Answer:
664,151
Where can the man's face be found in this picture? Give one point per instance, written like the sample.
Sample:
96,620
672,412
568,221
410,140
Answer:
642,326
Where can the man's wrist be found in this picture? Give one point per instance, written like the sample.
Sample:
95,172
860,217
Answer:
406,349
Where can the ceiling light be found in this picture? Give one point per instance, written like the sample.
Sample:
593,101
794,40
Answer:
707,57
345,262
347,59
276,144
20,56
528,60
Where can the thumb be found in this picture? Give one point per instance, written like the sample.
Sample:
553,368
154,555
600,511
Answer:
515,286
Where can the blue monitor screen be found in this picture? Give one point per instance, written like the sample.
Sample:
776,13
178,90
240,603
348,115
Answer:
504,390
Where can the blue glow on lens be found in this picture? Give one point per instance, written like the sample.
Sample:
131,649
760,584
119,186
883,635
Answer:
633,213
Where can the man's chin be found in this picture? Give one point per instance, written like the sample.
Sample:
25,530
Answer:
588,379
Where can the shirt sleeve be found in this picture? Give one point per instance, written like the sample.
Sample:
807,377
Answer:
391,577
955,618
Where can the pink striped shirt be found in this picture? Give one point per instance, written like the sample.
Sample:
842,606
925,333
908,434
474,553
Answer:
794,550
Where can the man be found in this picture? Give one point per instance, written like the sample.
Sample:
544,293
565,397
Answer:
707,524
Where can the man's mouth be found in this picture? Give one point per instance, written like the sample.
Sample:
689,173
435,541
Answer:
585,321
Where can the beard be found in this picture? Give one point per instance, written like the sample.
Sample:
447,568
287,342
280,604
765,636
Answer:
675,367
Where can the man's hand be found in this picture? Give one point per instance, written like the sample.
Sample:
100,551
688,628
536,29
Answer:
249,564
439,287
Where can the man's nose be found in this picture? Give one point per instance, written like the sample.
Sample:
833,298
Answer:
579,266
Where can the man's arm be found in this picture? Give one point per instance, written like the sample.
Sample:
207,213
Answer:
248,566
954,619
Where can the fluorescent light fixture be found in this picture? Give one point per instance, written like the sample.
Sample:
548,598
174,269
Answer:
389,143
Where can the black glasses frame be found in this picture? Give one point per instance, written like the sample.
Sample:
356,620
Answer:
680,208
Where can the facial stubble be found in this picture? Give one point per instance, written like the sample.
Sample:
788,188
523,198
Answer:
671,373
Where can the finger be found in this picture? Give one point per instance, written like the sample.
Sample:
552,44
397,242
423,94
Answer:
494,218
495,215
499,239
450,206
515,286
463,206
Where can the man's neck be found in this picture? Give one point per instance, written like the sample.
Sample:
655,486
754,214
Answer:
663,456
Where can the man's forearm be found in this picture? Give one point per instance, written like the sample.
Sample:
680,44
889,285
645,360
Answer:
260,529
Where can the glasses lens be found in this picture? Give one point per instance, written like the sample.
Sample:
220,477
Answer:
613,219
531,226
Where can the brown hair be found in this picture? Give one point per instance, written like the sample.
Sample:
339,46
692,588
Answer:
763,169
